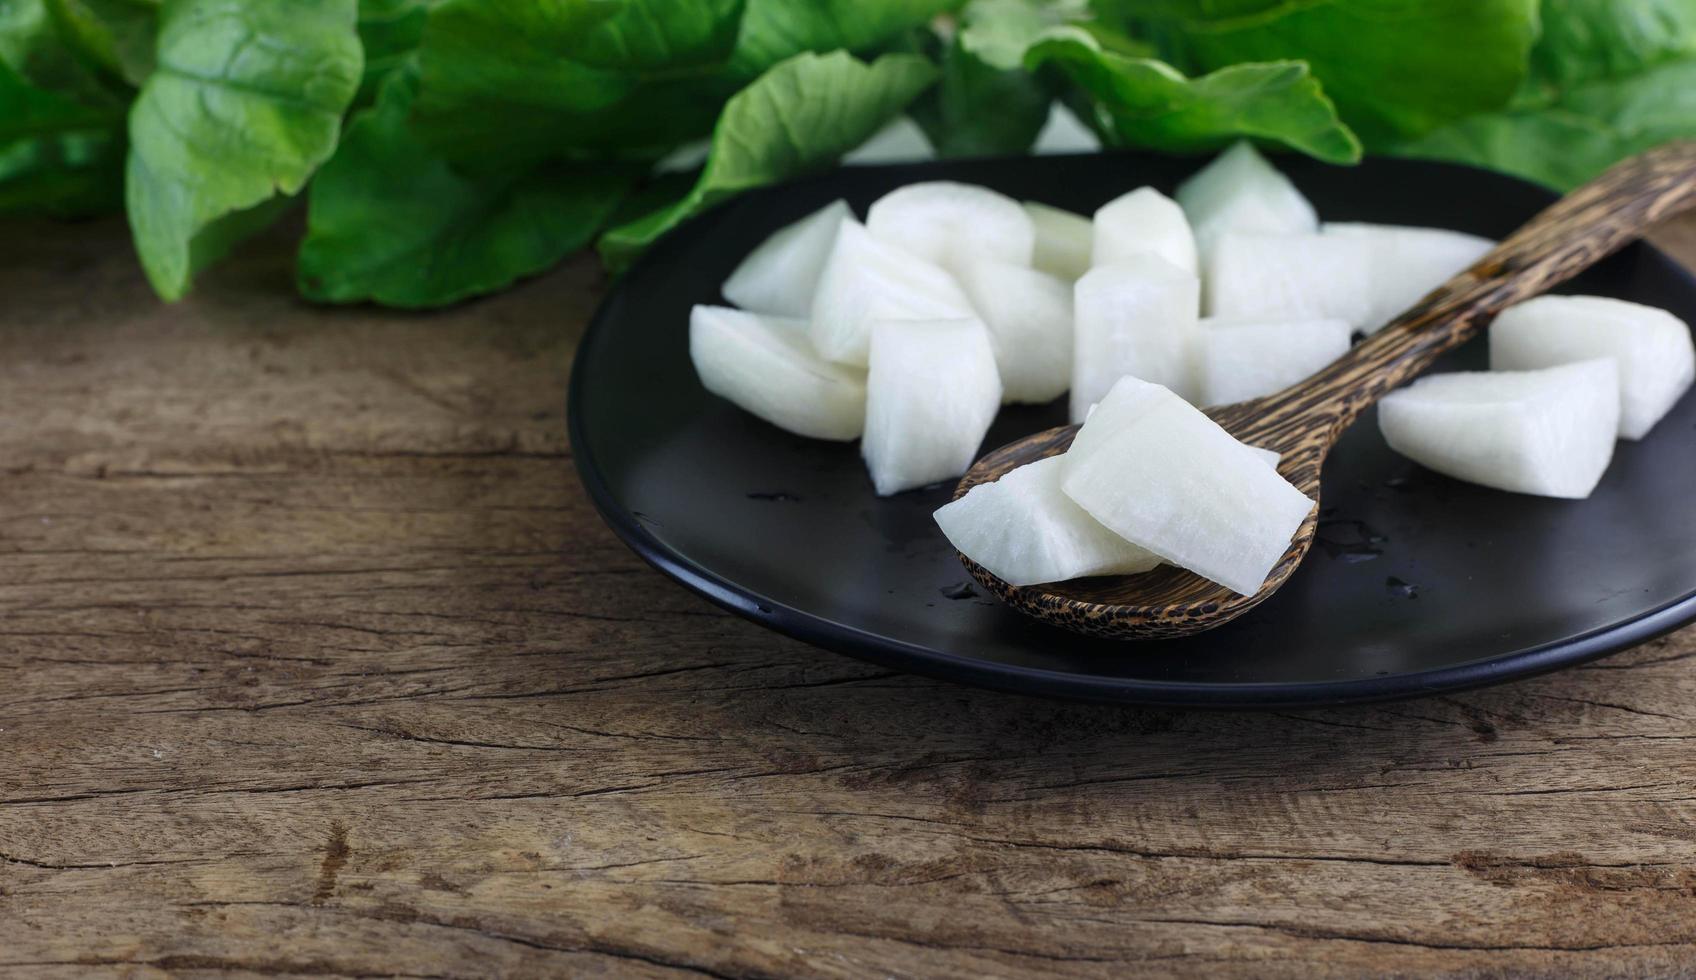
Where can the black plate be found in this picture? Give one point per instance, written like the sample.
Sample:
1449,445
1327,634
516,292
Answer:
1418,584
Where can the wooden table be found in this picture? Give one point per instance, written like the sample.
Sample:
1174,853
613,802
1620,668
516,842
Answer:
316,660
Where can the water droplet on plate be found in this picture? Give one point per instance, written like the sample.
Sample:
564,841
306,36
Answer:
1401,589
959,590
1349,540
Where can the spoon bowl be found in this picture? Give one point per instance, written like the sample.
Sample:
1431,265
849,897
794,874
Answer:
1166,601
1303,422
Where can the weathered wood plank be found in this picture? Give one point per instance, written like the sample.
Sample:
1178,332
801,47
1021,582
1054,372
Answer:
314,659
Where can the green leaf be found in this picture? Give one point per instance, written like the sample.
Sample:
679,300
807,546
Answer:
1149,103
28,111
1580,134
1592,40
1396,68
986,103
801,115
244,105
667,37
388,220
773,30
389,32
116,35
1610,79
999,32
69,175
979,110
32,47
58,154
505,79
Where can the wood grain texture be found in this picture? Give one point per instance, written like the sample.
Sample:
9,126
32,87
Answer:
316,661
1302,422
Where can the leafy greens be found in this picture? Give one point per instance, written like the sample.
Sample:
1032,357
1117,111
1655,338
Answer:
1607,80
447,148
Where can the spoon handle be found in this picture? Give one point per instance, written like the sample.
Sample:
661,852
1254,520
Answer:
1563,240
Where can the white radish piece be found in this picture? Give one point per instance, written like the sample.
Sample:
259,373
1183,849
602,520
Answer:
946,222
1144,220
1029,315
765,365
1548,432
899,141
684,158
1404,263
1288,277
1236,360
866,280
1063,241
1651,349
1138,318
1270,457
780,275
1064,132
931,394
1240,191
1025,531
1159,473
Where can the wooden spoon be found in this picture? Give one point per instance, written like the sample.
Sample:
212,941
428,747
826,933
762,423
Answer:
1303,422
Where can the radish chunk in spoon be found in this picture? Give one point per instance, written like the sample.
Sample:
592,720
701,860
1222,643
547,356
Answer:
1288,277
1024,530
1240,191
946,222
1156,471
1548,432
780,275
1651,349
1029,315
931,394
765,365
866,280
1403,264
1236,360
1137,317
1063,241
1144,220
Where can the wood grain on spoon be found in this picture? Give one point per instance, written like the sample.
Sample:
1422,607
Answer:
1303,422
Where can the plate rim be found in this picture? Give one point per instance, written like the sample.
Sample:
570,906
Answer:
915,658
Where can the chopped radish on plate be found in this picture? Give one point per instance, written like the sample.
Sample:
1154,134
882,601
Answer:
1144,220
866,280
780,275
1253,276
901,141
1651,349
1029,315
946,222
765,365
1240,191
931,393
1063,241
1548,432
1236,360
1064,132
1137,317
1405,263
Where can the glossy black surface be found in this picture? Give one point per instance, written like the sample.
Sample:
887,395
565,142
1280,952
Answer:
1418,583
